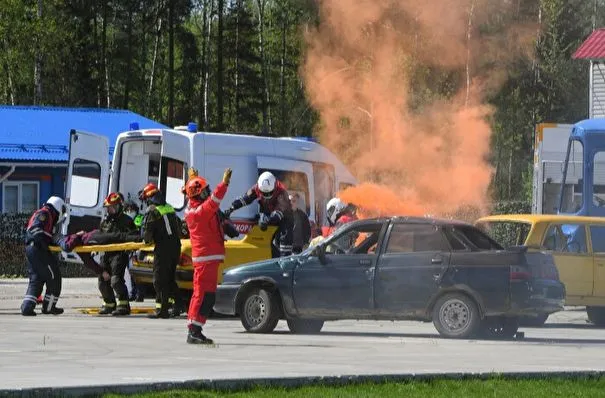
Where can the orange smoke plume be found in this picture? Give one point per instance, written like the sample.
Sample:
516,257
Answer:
365,68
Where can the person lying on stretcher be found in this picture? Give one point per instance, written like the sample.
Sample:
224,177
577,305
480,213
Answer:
95,237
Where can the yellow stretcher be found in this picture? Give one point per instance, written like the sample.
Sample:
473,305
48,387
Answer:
112,247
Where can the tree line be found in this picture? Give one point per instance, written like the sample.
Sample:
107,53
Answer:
234,65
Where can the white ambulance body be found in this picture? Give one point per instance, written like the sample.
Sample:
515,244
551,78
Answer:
550,149
164,156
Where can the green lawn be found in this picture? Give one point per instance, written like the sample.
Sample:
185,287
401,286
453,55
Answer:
445,388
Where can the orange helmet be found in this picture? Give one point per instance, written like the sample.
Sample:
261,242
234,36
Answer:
113,199
195,186
148,191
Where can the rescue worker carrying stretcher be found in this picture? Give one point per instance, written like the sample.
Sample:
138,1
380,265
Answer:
42,265
95,237
207,249
161,226
115,263
275,209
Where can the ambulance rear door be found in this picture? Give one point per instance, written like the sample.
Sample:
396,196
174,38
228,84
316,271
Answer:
87,180
175,161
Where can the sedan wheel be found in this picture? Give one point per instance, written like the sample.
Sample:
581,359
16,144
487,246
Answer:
596,315
260,311
456,315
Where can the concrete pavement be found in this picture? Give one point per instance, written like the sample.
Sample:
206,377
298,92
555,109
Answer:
84,350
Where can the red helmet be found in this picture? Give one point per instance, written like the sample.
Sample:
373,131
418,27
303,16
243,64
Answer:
148,191
113,199
195,186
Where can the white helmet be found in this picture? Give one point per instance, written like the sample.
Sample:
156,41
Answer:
333,208
266,184
58,204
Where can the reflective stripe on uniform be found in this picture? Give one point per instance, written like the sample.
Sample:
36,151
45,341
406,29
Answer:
168,229
194,322
52,274
215,199
208,258
122,302
109,305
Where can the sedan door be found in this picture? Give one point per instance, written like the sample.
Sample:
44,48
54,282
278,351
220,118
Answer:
343,285
572,258
409,273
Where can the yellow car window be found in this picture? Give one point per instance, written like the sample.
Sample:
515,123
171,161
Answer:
566,238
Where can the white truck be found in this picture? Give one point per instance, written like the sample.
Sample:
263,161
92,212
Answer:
164,156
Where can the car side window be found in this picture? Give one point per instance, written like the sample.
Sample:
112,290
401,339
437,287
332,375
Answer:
409,238
597,238
362,239
565,238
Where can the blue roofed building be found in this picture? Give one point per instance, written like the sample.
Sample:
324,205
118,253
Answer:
34,148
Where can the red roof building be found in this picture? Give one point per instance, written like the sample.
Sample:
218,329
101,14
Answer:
593,48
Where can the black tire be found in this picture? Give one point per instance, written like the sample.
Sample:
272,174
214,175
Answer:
260,311
533,321
499,327
596,315
305,326
456,315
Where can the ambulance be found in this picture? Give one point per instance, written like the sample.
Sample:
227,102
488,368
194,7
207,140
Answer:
163,156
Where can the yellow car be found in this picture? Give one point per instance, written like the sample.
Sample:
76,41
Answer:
255,246
577,245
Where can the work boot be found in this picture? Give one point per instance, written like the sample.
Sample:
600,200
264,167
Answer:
107,309
195,336
53,311
175,312
121,310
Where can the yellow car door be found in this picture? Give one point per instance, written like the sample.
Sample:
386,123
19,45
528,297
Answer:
597,238
573,260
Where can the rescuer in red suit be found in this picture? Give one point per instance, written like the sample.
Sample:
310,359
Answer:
207,249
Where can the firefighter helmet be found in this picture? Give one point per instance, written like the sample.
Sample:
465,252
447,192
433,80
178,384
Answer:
334,207
148,191
195,187
266,184
113,199
58,204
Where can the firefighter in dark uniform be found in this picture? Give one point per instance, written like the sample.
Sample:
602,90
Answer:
42,265
115,263
275,209
162,227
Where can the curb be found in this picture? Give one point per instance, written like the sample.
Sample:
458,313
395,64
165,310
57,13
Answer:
292,382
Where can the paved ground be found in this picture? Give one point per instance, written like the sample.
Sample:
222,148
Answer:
75,349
